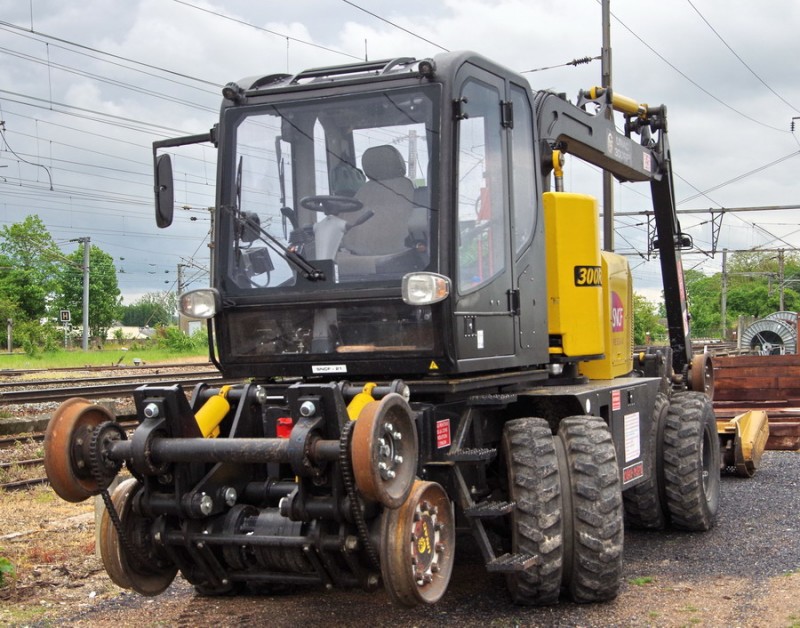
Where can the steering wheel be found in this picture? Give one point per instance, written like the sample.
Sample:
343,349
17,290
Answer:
331,205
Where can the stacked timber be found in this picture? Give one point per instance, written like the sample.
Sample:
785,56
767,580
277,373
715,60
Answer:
761,382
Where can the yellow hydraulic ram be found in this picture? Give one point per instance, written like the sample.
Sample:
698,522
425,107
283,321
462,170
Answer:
620,103
742,440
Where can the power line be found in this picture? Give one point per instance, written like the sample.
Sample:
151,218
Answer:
741,176
390,23
742,61
574,62
9,26
8,146
266,30
692,81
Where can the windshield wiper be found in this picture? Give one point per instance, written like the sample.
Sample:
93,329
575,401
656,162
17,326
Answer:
303,266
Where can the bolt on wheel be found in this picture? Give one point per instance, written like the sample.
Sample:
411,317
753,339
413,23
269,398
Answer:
418,546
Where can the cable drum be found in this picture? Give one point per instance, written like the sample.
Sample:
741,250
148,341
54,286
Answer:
771,336
787,317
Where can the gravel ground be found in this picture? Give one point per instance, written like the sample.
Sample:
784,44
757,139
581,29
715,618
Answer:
745,572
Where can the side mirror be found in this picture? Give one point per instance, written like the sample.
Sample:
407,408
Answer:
165,197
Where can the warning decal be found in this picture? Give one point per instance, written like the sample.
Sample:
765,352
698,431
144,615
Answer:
443,433
616,400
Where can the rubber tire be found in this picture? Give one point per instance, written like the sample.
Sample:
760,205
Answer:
691,461
593,511
645,506
536,522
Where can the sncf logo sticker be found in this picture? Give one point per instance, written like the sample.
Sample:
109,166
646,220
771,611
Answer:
617,313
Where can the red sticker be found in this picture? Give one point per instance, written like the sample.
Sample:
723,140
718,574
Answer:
616,400
443,433
629,474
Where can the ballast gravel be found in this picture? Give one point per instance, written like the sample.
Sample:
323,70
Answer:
744,572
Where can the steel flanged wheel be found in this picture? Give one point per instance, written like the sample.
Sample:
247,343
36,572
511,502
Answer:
384,451
66,448
418,546
702,374
145,573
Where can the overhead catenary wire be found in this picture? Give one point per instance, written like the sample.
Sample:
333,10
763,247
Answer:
692,81
742,61
574,62
390,23
266,30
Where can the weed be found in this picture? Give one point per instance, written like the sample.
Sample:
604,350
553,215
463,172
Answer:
46,555
691,609
7,570
641,580
45,497
21,616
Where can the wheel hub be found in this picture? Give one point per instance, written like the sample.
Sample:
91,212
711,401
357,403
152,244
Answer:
384,451
418,546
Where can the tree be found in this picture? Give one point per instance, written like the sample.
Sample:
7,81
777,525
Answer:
704,294
104,293
152,309
29,262
645,320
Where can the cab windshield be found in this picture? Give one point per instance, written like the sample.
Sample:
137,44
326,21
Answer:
329,191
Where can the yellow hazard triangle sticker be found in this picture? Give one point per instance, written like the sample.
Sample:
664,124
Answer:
433,366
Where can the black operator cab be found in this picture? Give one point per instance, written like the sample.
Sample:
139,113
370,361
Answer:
368,223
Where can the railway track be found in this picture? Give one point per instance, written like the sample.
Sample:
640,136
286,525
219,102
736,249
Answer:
96,390
94,367
127,422
16,474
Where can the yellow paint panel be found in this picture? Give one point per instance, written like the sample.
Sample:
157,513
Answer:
574,279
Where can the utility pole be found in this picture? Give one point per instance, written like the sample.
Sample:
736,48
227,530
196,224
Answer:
723,310
181,285
780,279
182,325
85,335
608,180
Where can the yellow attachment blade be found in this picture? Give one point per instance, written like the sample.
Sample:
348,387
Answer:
210,415
360,400
750,432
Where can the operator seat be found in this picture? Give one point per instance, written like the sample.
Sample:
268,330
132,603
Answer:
389,195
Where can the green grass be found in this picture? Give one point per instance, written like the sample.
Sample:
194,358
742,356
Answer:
94,357
641,581
6,570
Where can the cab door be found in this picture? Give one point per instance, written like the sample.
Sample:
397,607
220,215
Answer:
484,315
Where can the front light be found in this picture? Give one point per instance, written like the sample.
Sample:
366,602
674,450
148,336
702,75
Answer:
202,303
425,288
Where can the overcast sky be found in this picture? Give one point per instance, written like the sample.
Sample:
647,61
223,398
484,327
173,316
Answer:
85,88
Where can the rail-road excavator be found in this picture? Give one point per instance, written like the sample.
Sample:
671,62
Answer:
422,342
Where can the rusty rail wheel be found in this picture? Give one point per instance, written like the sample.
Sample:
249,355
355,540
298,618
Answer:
66,448
385,451
418,546
131,562
702,374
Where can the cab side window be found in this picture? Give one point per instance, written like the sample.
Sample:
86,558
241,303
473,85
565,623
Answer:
481,223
